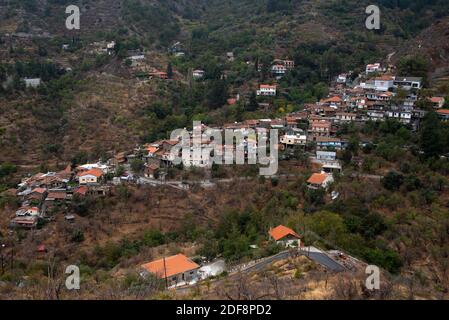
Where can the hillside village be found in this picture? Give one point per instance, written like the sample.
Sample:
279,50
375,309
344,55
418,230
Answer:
89,173
372,96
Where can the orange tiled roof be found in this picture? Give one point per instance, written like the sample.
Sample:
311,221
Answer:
318,124
281,232
152,149
94,172
82,190
437,99
332,99
173,265
443,112
39,190
317,178
57,195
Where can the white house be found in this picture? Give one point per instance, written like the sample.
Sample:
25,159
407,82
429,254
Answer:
27,212
402,116
294,140
371,68
176,270
278,70
346,117
90,177
437,102
320,180
198,74
383,83
408,83
326,155
285,236
267,90
32,82
342,78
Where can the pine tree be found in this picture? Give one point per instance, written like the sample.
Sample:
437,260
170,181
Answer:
170,71
431,138
253,105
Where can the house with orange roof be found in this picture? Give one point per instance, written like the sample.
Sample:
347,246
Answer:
320,128
152,149
37,194
28,211
334,101
444,114
92,176
176,270
285,236
320,180
437,102
81,191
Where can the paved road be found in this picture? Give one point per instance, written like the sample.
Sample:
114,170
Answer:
325,261
315,255
258,266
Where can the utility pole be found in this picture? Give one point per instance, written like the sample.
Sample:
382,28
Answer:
12,258
1,257
165,274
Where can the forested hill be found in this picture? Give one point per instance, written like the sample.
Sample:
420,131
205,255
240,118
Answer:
323,37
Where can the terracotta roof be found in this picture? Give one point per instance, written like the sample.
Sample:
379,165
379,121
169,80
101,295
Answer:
327,139
384,78
171,142
317,178
319,124
281,232
39,190
152,149
57,195
437,99
82,190
252,122
93,172
173,265
153,167
444,112
332,99
231,101
267,86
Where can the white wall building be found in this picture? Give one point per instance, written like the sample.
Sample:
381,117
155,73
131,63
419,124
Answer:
267,90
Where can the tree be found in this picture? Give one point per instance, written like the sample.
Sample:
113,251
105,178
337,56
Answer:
170,71
431,137
393,181
218,94
137,165
253,105
416,66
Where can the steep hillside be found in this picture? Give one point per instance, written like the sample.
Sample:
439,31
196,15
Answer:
102,102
